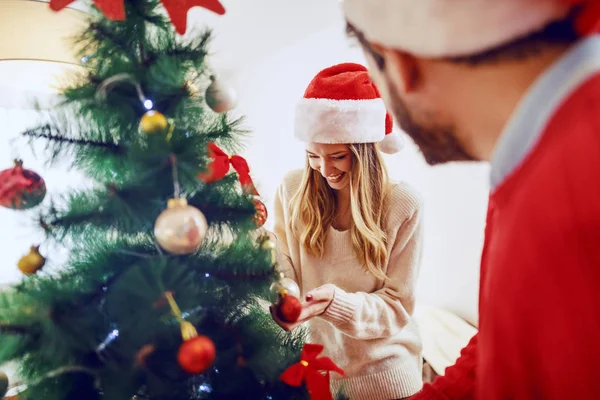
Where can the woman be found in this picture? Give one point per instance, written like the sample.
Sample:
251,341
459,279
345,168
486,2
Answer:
351,239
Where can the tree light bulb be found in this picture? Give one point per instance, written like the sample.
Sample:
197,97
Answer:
148,104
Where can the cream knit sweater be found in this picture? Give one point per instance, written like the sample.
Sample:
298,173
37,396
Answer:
368,329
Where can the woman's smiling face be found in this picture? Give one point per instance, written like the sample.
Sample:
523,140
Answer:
332,161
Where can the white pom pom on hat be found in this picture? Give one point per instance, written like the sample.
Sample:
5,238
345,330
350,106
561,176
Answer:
342,105
392,143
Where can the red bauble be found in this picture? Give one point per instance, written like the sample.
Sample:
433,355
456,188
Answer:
196,354
289,308
261,213
20,188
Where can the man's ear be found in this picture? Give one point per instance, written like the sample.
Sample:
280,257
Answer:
402,68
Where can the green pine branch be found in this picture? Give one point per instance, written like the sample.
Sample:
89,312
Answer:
134,208
53,134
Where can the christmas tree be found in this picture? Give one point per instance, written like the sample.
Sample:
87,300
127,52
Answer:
163,293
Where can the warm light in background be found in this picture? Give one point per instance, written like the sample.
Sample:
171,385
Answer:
34,46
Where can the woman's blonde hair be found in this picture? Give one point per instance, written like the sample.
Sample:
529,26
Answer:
313,208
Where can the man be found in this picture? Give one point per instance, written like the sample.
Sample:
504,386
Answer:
516,83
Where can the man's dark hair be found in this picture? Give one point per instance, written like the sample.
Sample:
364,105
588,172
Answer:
556,33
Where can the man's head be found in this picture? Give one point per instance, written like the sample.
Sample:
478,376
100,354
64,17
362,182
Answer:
450,71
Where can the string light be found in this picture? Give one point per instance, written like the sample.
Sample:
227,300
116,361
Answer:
107,85
108,340
204,388
148,104
86,59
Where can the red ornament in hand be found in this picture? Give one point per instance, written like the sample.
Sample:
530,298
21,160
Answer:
261,213
20,188
196,354
289,308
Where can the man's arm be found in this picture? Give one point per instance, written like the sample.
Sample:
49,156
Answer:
458,381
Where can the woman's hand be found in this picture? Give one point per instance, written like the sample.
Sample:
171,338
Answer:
317,301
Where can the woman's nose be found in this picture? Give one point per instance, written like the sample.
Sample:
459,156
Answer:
326,168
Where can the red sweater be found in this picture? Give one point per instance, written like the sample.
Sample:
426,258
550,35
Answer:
539,334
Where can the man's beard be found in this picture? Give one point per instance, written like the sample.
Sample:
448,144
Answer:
438,144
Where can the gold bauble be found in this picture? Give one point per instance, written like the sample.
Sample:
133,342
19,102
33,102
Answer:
153,123
268,244
32,262
181,228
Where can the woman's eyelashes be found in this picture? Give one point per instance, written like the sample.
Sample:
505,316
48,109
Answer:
335,158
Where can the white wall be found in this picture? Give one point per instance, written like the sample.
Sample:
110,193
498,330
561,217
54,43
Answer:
455,195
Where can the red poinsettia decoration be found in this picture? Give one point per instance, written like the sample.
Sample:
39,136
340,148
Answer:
177,9
312,370
220,166
588,20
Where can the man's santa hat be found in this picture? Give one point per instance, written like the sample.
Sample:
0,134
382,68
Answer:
451,28
342,105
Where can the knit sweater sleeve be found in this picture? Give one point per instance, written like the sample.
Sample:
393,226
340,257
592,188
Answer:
388,310
284,259
458,381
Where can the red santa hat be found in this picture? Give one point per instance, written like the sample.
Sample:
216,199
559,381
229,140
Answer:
342,105
450,28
